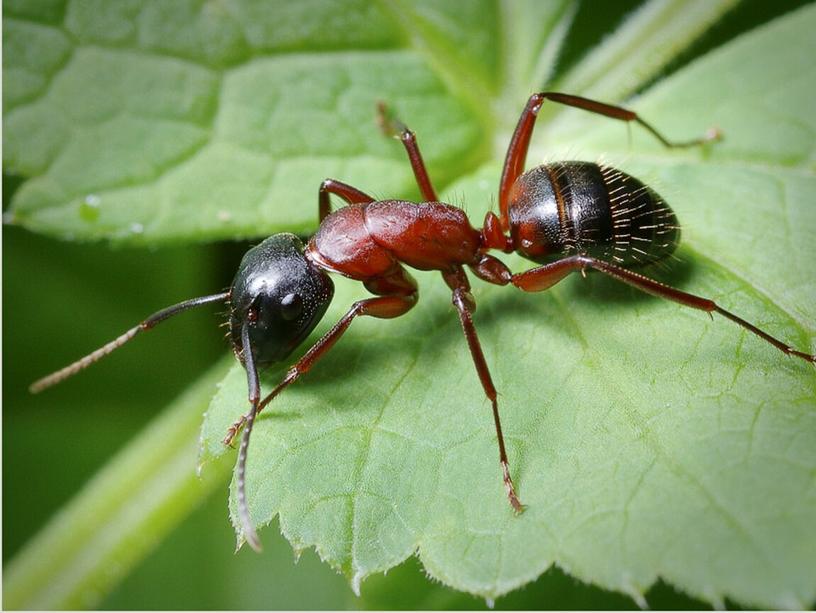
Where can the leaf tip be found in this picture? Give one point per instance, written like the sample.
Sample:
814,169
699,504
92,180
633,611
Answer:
637,595
251,539
356,580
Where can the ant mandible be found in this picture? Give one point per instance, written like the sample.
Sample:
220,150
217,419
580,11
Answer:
565,216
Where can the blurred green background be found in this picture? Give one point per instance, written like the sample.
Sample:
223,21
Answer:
62,299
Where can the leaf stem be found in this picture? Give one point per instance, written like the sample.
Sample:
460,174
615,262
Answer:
642,46
122,513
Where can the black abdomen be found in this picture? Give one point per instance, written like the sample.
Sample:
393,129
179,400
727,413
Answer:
570,208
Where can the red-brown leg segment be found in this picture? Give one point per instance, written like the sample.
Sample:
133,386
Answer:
546,276
402,297
350,194
465,306
394,127
383,306
491,269
516,156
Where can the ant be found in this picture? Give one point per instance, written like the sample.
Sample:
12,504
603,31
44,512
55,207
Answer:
564,216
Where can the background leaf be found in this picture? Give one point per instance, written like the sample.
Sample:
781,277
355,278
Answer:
188,144
638,459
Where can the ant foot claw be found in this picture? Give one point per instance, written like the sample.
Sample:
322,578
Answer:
232,432
518,508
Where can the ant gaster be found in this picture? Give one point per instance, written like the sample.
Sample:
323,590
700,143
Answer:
565,216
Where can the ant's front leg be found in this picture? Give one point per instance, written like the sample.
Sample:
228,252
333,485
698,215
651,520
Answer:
400,295
384,307
544,277
233,431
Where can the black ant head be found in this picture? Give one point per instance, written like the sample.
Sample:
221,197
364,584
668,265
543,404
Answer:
280,294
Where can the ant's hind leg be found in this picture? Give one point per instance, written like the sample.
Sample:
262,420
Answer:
350,194
516,156
544,277
392,126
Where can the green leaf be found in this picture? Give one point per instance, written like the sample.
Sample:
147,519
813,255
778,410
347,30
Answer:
650,38
647,441
406,587
194,136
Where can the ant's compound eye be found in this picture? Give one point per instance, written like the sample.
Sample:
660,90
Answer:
291,307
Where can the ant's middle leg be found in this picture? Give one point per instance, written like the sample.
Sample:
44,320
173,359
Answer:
516,156
350,194
392,126
544,277
465,305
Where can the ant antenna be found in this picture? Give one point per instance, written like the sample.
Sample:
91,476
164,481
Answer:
100,353
254,388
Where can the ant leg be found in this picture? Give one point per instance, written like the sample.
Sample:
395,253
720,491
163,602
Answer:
465,306
233,430
350,194
491,269
383,306
403,297
398,294
520,143
392,126
546,276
